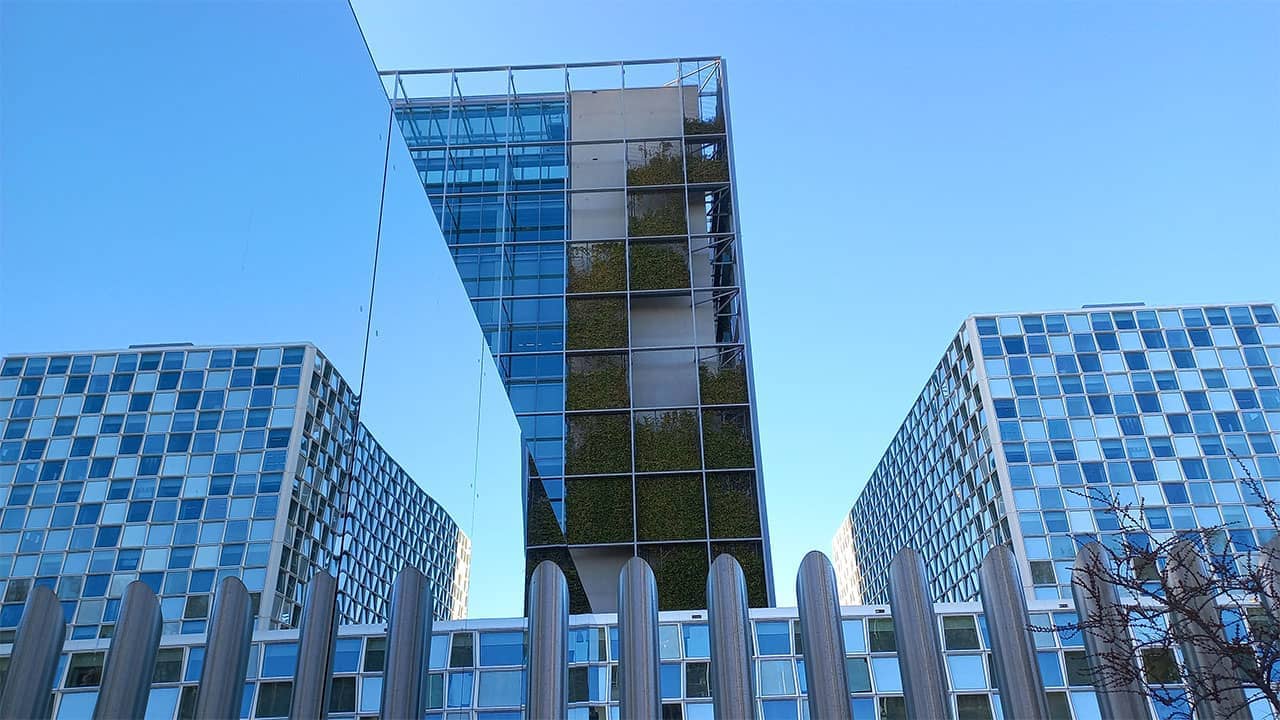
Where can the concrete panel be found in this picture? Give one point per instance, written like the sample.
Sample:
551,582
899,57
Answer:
658,321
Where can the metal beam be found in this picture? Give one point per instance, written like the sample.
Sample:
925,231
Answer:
924,674
638,690
819,608
34,661
126,678
1013,652
1105,629
226,657
548,660
404,682
732,682
312,677
1211,673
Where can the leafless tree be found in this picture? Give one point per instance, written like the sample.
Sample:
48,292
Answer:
1197,633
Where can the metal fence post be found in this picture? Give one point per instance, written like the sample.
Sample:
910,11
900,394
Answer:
1013,651
924,676
819,608
226,657
638,691
732,682
126,678
34,660
404,681
317,636
548,661
1106,636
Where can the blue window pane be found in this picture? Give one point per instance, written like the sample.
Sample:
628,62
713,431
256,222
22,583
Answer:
967,672
773,638
505,648
885,671
459,689
778,710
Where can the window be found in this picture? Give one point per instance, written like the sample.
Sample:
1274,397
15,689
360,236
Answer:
274,699
776,677
501,648
773,638
168,665
882,637
342,695
84,670
500,688
967,672
858,674
279,659
960,633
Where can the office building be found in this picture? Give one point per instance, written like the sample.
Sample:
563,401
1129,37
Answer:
590,211
1030,418
180,465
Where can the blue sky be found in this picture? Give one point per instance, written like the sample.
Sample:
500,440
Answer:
900,166
904,165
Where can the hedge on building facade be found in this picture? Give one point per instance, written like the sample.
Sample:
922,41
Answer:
598,444
667,440
670,507
596,323
597,510
726,439
750,555
541,525
658,165
702,167
681,572
597,382
698,126
659,266
732,505
597,267
723,380
657,213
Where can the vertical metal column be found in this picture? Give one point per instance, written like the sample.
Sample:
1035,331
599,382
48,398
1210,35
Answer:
34,660
312,677
1211,675
732,682
819,607
1106,636
226,657
547,674
1013,651
641,698
404,681
924,675
126,678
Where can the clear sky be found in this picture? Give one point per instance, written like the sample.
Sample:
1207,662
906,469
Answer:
900,166
904,165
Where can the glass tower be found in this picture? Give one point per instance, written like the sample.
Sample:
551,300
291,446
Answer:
1173,409
590,212
181,465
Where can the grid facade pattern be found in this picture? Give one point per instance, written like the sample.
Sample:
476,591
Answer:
589,211
1174,411
477,669
936,489
170,466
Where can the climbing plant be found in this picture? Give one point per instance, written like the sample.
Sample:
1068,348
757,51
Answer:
597,444
598,510
597,267
732,505
597,322
667,440
597,382
681,572
670,507
726,439
659,266
750,555
722,379
657,164
656,213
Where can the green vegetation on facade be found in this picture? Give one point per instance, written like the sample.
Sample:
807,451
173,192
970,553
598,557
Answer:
681,572
723,382
667,440
702,167
598,444
726,439
657,213
597,510
670,507
578,603
659,166
597,267
596,382
732,505
541,525
659,266
750,555
698,126
596,323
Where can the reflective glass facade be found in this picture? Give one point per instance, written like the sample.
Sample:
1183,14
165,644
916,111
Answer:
182,465
1028,415
477,669
589,210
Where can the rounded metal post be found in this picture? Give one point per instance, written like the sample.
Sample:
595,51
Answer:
34,660
548,660
819,608
732,682
1211,674
1013,650
1106,636
126,680
404,682
924,675
641,698
226,656
316,641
